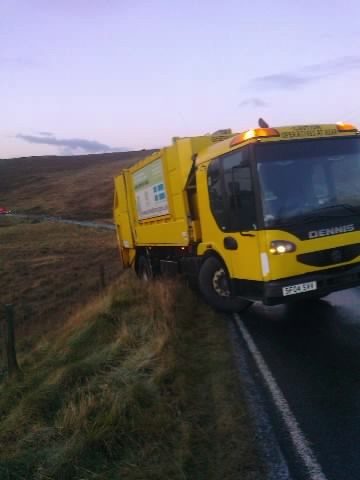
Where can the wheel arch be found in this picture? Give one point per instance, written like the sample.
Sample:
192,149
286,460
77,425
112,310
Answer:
226,302
213,253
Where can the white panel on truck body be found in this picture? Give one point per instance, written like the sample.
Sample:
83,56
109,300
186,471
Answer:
150,191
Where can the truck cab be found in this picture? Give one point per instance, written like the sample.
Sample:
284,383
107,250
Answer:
284,212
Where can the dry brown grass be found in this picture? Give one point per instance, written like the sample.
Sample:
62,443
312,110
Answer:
48,270
140,385
74,187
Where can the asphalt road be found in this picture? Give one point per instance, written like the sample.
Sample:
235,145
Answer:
311,353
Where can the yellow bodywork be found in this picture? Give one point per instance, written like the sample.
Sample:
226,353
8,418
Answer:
174,228
189,219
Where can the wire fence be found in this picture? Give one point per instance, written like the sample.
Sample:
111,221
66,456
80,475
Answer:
11,314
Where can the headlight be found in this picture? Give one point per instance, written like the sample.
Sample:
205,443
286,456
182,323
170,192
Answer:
278,247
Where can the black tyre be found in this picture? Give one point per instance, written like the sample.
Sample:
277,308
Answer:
215,288
144,269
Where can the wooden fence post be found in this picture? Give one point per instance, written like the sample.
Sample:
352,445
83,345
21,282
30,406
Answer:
102,276
3,333
13,367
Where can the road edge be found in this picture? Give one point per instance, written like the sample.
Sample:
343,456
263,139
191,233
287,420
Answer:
265,437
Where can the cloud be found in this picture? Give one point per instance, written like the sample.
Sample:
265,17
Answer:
46,134
253,102
308,74
333,67
280,80
69,146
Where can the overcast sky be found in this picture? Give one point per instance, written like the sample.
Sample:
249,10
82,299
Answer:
103,75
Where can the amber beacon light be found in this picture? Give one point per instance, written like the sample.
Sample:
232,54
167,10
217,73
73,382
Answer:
345,127
254,133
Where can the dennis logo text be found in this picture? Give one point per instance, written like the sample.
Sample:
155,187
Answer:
325,232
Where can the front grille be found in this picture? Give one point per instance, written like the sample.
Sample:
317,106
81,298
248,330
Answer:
331,256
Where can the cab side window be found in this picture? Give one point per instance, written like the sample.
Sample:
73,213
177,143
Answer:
232,198
216,193
242,200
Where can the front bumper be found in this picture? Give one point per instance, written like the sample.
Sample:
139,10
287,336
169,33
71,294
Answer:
271,293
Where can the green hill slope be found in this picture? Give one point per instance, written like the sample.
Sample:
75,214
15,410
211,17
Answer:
139,385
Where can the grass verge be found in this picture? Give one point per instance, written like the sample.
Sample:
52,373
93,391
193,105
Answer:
47,270
139,385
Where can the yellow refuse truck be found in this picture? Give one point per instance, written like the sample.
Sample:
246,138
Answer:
270,214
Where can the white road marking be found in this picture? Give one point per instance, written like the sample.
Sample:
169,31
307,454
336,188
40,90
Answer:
298,439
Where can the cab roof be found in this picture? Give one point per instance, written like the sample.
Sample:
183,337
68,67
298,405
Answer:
287,133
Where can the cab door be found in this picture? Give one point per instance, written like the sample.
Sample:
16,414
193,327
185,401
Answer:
233,206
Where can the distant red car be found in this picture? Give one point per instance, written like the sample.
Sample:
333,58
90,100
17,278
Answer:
4,211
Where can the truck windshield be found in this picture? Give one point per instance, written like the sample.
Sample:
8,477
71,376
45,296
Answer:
303,180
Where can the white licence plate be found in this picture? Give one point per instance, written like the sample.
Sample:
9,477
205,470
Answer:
299,288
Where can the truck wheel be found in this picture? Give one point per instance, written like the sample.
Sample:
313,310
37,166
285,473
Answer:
144,270
215,288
